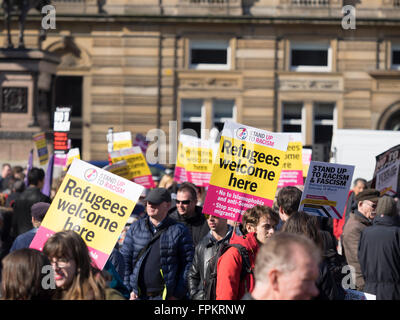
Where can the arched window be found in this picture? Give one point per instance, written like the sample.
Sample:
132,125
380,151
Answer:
390,118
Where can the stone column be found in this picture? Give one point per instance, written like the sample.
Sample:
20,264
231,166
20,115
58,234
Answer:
26,79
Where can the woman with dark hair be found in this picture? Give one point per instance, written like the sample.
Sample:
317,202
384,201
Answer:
302,223
75,277
23,276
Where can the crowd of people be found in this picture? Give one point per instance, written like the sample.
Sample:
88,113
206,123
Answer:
171,250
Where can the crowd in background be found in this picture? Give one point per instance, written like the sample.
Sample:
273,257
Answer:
169,249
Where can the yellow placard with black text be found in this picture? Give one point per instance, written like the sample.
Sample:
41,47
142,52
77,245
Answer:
94,203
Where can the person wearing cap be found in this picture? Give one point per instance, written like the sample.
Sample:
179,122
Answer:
158,252
359,219
38,212
379,252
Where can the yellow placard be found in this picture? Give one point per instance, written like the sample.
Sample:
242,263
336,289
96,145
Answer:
136,163
180,158
72,154
99,213
198,159
41,146
293,157
120,170
247,167
117,145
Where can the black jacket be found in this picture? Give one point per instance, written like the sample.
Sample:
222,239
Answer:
329,288
334,261
205,250
379,257
197,224
21,218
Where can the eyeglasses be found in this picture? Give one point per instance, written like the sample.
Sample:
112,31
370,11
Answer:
61,263
183,201
373,205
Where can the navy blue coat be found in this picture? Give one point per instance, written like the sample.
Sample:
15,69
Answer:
23,240
176,254
379,256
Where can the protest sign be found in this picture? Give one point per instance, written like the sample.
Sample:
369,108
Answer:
198,161
386,174
94,203
61,127
326,189
180,172
122,140
292,169
306,158
72,154
60,160
139,171
41,146
119,168
247,170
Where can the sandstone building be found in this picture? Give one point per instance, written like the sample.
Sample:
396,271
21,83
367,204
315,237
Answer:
280,65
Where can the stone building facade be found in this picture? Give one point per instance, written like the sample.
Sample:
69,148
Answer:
280,65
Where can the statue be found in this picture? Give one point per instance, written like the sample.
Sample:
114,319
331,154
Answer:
100,5
22,7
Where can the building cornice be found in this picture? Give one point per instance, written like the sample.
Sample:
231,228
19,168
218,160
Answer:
281,20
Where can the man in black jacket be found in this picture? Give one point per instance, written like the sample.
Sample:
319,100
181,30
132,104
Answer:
21,218
379,252
220,233
188,213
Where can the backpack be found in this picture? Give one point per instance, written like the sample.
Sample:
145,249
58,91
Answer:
210,282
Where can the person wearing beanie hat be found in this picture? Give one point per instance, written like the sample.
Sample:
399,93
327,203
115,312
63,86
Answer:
359,219
38,212
379,252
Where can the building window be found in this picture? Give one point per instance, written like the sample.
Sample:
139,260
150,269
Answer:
193,115
396,57
324,122
310,57
294,118
223,110
209,55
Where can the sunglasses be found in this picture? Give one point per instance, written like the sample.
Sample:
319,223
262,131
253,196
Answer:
183,201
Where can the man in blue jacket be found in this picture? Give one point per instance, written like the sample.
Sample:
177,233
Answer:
158,252
38,212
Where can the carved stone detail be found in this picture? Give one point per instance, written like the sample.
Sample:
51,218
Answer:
208,83
15,99
309,85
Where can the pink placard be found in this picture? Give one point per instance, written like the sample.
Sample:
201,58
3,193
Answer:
145,181
60,160
180,175
200,179
290,178
99,258
229,204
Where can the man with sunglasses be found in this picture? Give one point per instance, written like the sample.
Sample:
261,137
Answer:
359,219
188,213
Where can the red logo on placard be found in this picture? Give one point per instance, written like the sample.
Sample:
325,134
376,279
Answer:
91,174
